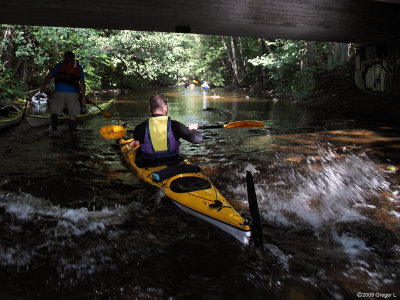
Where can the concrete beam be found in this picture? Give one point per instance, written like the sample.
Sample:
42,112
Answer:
363,22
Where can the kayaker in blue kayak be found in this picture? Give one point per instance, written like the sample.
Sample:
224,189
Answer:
69,81
205,86
159,135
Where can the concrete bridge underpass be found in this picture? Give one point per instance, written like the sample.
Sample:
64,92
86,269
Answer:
374,25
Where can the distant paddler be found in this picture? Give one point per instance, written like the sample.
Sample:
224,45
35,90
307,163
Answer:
205,86
215,96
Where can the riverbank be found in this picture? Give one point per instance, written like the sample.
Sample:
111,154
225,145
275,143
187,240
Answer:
337,94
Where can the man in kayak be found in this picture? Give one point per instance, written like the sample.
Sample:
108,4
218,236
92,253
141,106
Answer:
159,135
205,86
69,81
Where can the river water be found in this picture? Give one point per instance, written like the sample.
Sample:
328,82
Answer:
77,224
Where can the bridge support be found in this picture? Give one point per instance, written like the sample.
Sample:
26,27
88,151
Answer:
378,68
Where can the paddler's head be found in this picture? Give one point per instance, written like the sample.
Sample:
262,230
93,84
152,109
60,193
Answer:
158,105
70,56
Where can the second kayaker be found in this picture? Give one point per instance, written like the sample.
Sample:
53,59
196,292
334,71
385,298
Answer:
159,135
69,81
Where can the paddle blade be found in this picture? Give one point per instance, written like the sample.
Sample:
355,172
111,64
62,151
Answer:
106,114
245,123
256,229
112,132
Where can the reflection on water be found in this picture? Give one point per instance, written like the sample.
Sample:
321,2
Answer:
76,223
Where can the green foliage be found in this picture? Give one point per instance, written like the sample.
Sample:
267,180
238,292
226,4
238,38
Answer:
153,57
133,59
289,67
11,88
207,63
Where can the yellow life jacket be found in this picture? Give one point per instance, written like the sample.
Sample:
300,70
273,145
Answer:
159,140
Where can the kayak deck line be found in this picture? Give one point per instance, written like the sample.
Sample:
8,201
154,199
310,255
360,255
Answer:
206,203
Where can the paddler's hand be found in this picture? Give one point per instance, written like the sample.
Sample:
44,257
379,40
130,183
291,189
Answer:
193,126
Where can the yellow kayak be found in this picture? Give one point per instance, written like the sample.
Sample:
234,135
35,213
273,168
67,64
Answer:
192,192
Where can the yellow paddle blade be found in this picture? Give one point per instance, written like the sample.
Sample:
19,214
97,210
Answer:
195,81
106,114
112,132
245,123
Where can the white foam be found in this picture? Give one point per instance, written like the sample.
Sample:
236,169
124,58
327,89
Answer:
353,246
24,208
395,213
251,168
14,256
322,193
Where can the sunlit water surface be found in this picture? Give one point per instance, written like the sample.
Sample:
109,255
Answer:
75,223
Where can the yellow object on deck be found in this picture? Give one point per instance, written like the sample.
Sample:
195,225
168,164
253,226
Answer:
112,132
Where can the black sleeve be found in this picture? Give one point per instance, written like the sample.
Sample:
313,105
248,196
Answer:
139,132
181,131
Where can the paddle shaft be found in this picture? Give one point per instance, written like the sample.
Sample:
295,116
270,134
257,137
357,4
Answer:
118,131
256,228
23,114
211,126
91,102
235,124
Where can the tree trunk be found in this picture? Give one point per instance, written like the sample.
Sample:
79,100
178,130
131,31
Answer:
311,61
262,73
231,59
303,62
243,59
25,71
17,66
340,53
7,54
234,60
